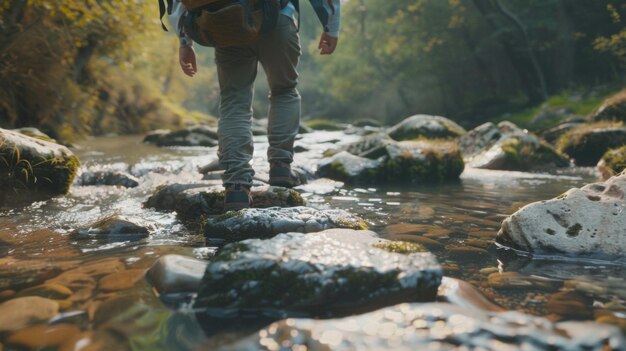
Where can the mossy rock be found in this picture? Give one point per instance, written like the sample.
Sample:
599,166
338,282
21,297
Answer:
268,222
613,162
293,274
346,167
35,133
192,136
113,228
323,124
34,167
613,109
588,143
425,126
107,178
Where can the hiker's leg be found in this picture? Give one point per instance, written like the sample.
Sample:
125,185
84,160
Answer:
279,53
236,70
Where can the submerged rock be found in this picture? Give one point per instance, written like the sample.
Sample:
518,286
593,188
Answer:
195,200
315,274
21,312
385,161
433,326
587,143
192,136
589,222
176,274
108,178
40,337
114,228
507,147
34,167
612,109
425,126
265,223
613,162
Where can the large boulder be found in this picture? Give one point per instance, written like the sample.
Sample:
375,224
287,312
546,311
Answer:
588,222
425,126
389,161
192,136
31,166
507,147
612,109
433,326
268,222
587,143
316,274
196,200
613,162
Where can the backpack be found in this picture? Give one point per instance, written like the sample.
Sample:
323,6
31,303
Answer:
222,23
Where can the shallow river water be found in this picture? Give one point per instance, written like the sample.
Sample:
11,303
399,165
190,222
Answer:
457,221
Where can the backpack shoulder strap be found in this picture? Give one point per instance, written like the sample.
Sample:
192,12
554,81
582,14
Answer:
163,9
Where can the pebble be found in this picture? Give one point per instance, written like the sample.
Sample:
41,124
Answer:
483,244
571,304
23,311
43,336
586,287
508,280
465,250
48,290
489,270
121,280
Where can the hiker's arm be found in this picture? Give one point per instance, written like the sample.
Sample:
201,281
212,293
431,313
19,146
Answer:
186,53
329,13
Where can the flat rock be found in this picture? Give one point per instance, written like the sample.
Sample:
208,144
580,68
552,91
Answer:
196,200
507,147
107,178
266,223
122,280
192,136
587,143
176,274
21,312
43,336
433,326
425,126
114,228
588,222
34,167
334,270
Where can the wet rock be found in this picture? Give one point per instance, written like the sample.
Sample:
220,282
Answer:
114,228
464,294
425,126
507,147
43,336
192,136
585,222
334,270
21,312
433,326
154,136
613,162
123,280
195,200
369,145
613,109
214,166
514,280
404,162
176,274
367,123
570,304
108,178
552,134
587,143
31,167
266,223
49,290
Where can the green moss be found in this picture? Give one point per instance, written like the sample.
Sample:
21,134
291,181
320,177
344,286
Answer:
615,159
227,215
401,247
586,145
229,252
443,161
323,124
528,156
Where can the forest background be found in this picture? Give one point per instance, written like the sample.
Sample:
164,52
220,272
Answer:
90,67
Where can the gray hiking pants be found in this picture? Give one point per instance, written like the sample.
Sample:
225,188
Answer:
278,52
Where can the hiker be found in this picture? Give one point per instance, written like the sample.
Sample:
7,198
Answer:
278,51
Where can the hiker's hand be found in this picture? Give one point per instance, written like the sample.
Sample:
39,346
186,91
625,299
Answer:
187,59
327,44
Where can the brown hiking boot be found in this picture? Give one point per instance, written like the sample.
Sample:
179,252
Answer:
282,175
237,197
